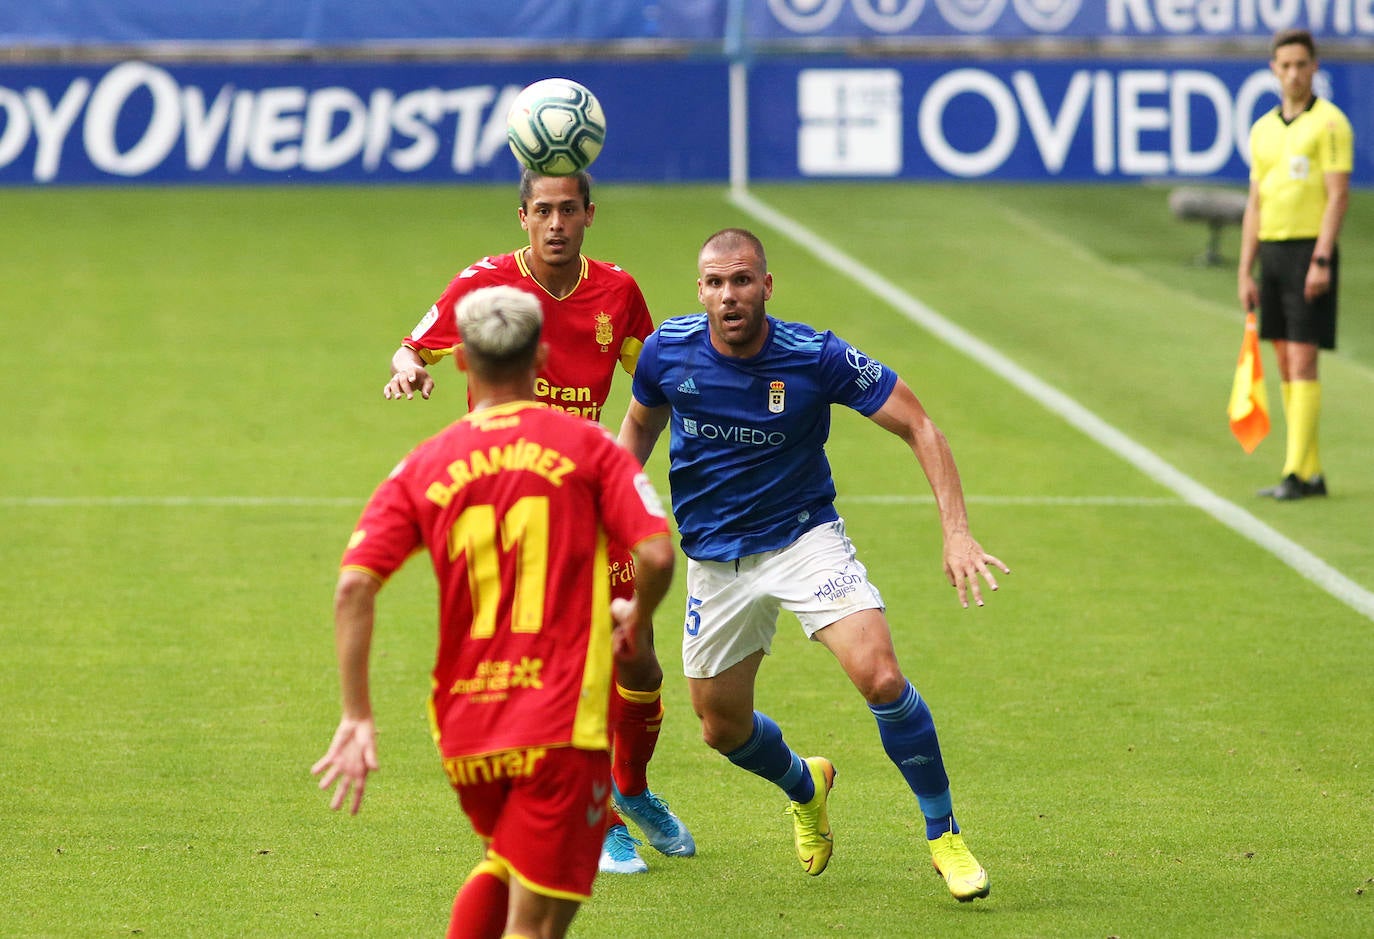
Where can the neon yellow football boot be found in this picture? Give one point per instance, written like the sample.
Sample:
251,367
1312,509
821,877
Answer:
954,862
810,820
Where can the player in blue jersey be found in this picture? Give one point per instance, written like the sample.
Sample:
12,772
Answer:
748,397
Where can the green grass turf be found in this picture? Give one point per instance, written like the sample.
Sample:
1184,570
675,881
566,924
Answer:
1154,729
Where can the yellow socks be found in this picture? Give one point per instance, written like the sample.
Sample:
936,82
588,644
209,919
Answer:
1302,405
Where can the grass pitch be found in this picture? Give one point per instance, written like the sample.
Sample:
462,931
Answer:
1156,728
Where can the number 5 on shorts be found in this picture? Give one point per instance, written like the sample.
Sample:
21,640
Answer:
693,625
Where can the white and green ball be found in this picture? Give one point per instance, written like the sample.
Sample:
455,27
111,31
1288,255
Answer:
556,127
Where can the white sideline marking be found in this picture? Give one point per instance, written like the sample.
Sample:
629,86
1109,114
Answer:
1190,490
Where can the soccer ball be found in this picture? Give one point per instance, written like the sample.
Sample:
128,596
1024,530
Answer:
556,127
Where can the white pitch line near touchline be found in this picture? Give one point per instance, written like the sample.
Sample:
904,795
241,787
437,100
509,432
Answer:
1190,490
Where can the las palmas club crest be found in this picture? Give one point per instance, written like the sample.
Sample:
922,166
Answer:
604,334
776,390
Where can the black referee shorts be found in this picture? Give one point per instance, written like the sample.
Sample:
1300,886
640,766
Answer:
1284,312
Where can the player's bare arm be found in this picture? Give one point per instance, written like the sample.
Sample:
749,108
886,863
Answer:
1246,290
408,375
640,429
965,561
352,753
1333,216
654,559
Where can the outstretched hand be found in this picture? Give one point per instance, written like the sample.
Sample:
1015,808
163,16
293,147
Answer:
965,562
406,382
351,756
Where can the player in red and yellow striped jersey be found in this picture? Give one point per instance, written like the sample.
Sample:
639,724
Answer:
511,502
595,319
600,325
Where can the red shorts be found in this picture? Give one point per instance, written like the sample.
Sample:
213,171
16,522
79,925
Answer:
541,811
622,565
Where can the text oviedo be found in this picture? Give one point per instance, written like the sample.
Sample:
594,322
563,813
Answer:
1030,120
1073,120
279,130
1118,109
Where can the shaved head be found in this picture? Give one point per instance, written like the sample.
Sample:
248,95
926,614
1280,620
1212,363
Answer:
735,239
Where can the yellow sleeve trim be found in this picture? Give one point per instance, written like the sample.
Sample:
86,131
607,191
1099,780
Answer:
430,356
629,354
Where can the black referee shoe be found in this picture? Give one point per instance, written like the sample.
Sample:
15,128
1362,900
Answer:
1291,487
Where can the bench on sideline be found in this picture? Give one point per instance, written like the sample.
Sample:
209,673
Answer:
1216,207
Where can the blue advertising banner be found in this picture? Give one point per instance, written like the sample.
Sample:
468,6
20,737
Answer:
359,22
1024,120
351,22
808,118
307,123
1019,19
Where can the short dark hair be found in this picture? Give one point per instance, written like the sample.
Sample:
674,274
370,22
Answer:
733,237
528,176
1290,37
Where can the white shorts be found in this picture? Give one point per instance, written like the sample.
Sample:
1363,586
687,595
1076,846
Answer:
732,606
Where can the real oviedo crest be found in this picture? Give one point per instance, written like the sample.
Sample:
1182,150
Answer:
776,401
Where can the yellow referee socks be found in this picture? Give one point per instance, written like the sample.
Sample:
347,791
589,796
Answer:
1302,407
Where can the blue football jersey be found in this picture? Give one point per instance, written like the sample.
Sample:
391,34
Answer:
747,464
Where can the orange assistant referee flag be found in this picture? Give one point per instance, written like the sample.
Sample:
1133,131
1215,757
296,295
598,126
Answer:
1249,408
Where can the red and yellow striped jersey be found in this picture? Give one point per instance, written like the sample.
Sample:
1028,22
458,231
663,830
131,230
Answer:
515,505
602,323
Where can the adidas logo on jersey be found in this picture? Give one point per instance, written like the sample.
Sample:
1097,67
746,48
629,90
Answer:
689,387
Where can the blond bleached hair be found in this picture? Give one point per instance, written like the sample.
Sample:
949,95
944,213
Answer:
500,327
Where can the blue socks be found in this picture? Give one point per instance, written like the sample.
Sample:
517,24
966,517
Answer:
765,754
908,734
